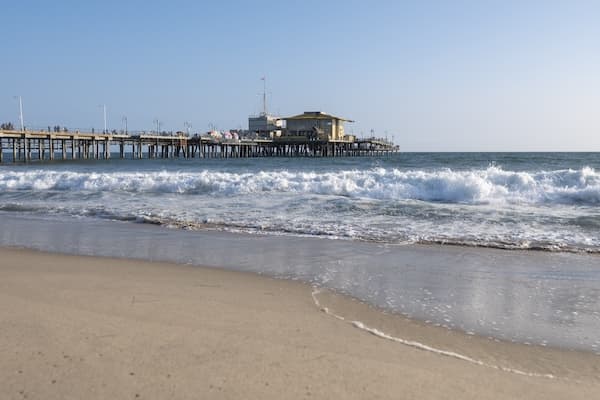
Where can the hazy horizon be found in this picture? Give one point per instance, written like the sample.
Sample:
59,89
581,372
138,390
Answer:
436,76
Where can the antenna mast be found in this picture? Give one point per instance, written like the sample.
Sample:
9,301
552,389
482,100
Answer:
264,79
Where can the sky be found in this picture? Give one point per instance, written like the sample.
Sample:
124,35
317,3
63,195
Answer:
432,75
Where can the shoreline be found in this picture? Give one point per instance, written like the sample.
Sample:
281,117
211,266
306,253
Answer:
515,296
80,326
327,301
347,308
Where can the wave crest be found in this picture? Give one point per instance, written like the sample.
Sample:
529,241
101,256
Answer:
490,185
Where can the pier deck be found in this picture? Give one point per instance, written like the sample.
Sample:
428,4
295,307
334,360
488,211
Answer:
28,146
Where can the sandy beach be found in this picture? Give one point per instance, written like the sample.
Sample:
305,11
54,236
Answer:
77,327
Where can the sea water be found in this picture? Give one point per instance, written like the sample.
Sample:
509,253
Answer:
545,202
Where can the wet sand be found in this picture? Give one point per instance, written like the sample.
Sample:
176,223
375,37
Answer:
517,296
90,327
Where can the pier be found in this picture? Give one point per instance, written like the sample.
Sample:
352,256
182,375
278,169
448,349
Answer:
29,146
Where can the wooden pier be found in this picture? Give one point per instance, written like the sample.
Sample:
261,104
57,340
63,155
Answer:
29,146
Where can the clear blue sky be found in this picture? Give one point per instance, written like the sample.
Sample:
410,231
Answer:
447,75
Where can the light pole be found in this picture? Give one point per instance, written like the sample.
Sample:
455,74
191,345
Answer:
187,125
157,122
20,112
104,109
124,119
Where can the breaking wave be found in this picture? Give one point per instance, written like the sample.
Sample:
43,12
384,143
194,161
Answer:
480,186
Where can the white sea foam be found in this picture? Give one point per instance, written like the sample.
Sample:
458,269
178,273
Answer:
491,207
422,346
479,186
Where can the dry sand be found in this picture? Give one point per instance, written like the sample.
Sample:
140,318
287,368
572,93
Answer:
76,327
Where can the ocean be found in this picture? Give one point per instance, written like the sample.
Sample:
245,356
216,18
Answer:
352,224
543,201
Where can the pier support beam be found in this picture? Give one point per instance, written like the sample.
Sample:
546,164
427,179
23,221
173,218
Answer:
27,149
51,147
105,149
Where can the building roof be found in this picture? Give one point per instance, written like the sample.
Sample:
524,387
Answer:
316,115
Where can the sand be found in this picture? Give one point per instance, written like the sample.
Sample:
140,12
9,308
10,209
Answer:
74,327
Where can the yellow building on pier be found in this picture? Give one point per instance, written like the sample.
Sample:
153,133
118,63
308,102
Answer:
316,125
